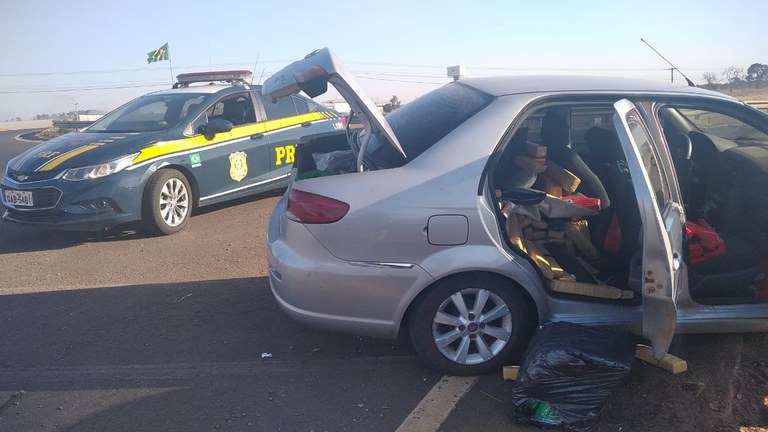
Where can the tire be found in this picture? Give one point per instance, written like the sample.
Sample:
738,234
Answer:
167,202
458,340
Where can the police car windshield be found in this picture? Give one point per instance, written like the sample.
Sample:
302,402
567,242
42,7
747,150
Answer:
149,113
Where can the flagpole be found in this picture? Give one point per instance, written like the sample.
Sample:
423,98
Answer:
170,64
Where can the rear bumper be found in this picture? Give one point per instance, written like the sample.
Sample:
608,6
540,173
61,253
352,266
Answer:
316,288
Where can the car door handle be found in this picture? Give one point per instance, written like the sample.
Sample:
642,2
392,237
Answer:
676,260
257,136
307,124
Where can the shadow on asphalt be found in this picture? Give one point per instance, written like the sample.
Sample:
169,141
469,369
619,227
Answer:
17,238
190,356
234,320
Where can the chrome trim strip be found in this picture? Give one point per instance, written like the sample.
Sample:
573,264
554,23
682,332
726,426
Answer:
382,264
245,187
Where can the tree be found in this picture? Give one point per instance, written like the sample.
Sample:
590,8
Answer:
711,78
757,73
733,75
393,104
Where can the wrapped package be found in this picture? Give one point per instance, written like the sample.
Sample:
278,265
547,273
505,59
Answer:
568,373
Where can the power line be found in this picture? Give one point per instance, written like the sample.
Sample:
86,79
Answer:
144,69
403,81
165,84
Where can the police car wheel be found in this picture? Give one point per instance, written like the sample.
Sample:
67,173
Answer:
167,202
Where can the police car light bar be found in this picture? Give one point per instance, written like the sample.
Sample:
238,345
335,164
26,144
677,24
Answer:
233,76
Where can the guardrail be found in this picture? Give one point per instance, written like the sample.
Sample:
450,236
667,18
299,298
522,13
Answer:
71,124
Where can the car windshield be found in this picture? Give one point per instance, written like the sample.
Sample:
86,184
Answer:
423,122
723,126
149,113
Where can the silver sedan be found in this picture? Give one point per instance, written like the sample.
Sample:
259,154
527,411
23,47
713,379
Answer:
491,206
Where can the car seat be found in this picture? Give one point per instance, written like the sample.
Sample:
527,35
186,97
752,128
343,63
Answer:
555,133
680,147
236,111
611,167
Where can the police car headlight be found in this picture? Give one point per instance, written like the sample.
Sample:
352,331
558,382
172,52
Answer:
101,170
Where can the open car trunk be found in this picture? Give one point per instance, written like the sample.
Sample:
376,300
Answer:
324,155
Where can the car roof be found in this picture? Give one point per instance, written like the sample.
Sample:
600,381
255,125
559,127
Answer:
508,85
198,89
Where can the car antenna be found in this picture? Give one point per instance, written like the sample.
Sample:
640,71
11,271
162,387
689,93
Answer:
261,76
674,68
254,67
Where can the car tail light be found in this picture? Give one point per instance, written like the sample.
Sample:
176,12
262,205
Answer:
309,208
343,120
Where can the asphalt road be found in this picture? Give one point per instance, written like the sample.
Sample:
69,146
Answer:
119,331
115,330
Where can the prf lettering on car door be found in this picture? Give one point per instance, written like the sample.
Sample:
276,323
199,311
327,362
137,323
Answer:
285,154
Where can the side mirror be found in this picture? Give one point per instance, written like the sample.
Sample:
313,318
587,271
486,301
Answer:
215,126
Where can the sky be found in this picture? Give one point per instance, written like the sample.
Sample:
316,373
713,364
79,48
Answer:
58,55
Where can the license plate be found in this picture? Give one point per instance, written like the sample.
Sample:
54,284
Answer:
19,198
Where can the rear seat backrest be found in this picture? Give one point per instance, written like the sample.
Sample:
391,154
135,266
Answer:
555,136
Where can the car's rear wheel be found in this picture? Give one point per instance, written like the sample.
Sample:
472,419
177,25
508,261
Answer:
167,202
470,325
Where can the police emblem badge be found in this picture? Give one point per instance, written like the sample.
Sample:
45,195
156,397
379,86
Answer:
238,168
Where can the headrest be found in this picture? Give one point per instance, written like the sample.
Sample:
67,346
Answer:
554,130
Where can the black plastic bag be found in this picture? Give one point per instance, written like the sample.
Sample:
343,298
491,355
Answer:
568,373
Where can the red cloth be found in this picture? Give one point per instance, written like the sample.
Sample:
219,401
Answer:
704,243
612,242
582,201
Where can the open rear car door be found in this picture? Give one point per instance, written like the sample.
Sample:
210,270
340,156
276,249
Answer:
663,269
312,75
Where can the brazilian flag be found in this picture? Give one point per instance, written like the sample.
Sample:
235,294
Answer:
158,54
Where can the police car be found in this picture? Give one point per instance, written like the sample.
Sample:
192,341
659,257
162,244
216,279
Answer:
210,138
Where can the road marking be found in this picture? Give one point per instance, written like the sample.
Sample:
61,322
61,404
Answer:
438,404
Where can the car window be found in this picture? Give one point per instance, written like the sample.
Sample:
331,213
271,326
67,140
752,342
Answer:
237,108
191,105
722,125
283,107
584,118
303,106
650,161
418,125
148,113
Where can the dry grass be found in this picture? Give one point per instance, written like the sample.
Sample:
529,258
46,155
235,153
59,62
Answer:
53,132
747,94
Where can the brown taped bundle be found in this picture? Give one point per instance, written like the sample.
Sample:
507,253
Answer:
590,290
540,260
546,184
562,177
